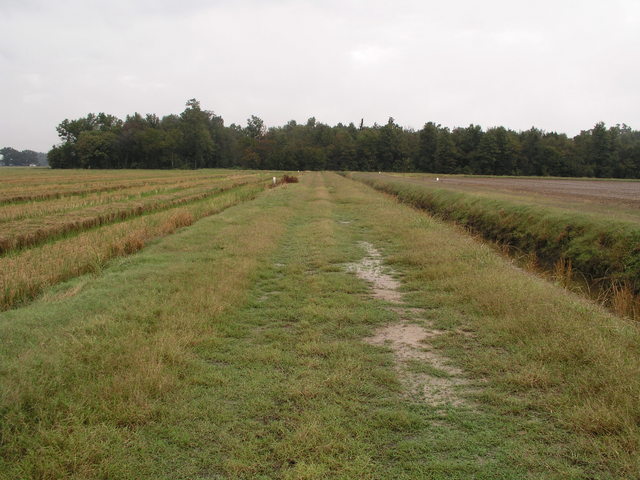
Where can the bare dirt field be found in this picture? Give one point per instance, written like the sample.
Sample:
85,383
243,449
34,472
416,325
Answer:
600,191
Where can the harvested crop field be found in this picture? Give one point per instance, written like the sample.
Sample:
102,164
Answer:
56,225
320,329
602,191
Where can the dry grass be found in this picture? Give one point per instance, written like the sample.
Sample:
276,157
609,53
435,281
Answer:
28,232
25,274
623,301
563,272
21,189
19,211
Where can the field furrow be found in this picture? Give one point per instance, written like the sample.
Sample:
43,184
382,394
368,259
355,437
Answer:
23,193
19,211
29,232
23,275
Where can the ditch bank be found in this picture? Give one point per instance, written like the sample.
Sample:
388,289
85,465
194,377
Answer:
605,252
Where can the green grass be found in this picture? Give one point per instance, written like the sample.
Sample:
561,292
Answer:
547,354
234,349
417,366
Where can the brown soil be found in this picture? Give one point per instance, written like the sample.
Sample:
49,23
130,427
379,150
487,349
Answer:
427,375
600,191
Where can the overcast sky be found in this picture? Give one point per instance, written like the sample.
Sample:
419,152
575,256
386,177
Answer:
559,65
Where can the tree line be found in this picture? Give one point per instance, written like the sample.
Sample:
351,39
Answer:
21,158
198,138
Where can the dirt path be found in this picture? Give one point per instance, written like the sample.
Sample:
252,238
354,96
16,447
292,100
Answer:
427,375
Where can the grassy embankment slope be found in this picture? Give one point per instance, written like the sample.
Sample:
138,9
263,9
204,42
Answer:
585,244
234,349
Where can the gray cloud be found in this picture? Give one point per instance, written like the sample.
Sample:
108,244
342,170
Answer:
560,65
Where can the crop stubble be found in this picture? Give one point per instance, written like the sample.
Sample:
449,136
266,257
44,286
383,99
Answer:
60,236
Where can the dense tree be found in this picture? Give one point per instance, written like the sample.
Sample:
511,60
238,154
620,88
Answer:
445,158
507,151
63,156
255,128
487,154
24,158
601,152
366,151
96,148
627,143
392,152
533,154
341,152
467,141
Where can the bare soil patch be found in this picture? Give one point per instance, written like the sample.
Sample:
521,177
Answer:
427,375
600,191
370,269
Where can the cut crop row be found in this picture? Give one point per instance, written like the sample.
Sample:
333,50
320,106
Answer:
31,232
25,274
50,191
33,178
19,211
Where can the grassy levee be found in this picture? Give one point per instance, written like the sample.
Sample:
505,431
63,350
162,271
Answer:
234,349
605,252
24,274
